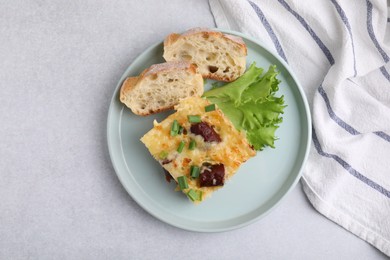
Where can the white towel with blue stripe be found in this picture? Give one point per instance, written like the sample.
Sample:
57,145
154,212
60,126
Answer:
339,51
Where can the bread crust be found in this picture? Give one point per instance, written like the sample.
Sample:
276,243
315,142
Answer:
170,39
206,32
126,87
167,66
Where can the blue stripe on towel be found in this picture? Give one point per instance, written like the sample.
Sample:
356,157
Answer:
269,30
383,135
332,114
348,167
385,73
370,30
327,53
322,46
342,123
344,18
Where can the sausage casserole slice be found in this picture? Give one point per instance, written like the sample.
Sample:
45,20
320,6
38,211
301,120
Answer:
198,146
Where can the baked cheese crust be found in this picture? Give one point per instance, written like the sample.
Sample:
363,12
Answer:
231,151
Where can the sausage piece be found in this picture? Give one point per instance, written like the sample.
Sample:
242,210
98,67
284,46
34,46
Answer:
206,131
213,175
168,176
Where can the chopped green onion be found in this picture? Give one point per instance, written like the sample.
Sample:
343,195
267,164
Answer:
182,181
181,146
209,108
194,119
181,129
194,171
163,155
192,145
195,195
174,128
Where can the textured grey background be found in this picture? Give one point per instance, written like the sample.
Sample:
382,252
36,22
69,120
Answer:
59,196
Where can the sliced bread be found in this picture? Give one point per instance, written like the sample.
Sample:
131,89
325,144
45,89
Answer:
160,87
217,55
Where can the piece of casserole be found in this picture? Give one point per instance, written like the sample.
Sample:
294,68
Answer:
198,146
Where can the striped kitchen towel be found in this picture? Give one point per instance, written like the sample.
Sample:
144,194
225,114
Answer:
339,51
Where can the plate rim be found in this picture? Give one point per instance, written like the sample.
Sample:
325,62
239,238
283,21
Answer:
244,223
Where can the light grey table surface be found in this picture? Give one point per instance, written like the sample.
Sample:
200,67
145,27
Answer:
59,196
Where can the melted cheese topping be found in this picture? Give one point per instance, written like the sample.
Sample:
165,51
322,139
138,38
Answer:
232,151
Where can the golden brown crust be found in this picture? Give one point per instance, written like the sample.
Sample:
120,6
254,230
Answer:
127,85
170,39
154,111
216,77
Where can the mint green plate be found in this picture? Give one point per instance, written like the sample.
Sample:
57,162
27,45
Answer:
258,186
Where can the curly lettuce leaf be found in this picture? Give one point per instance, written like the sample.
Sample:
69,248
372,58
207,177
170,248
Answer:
250,103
